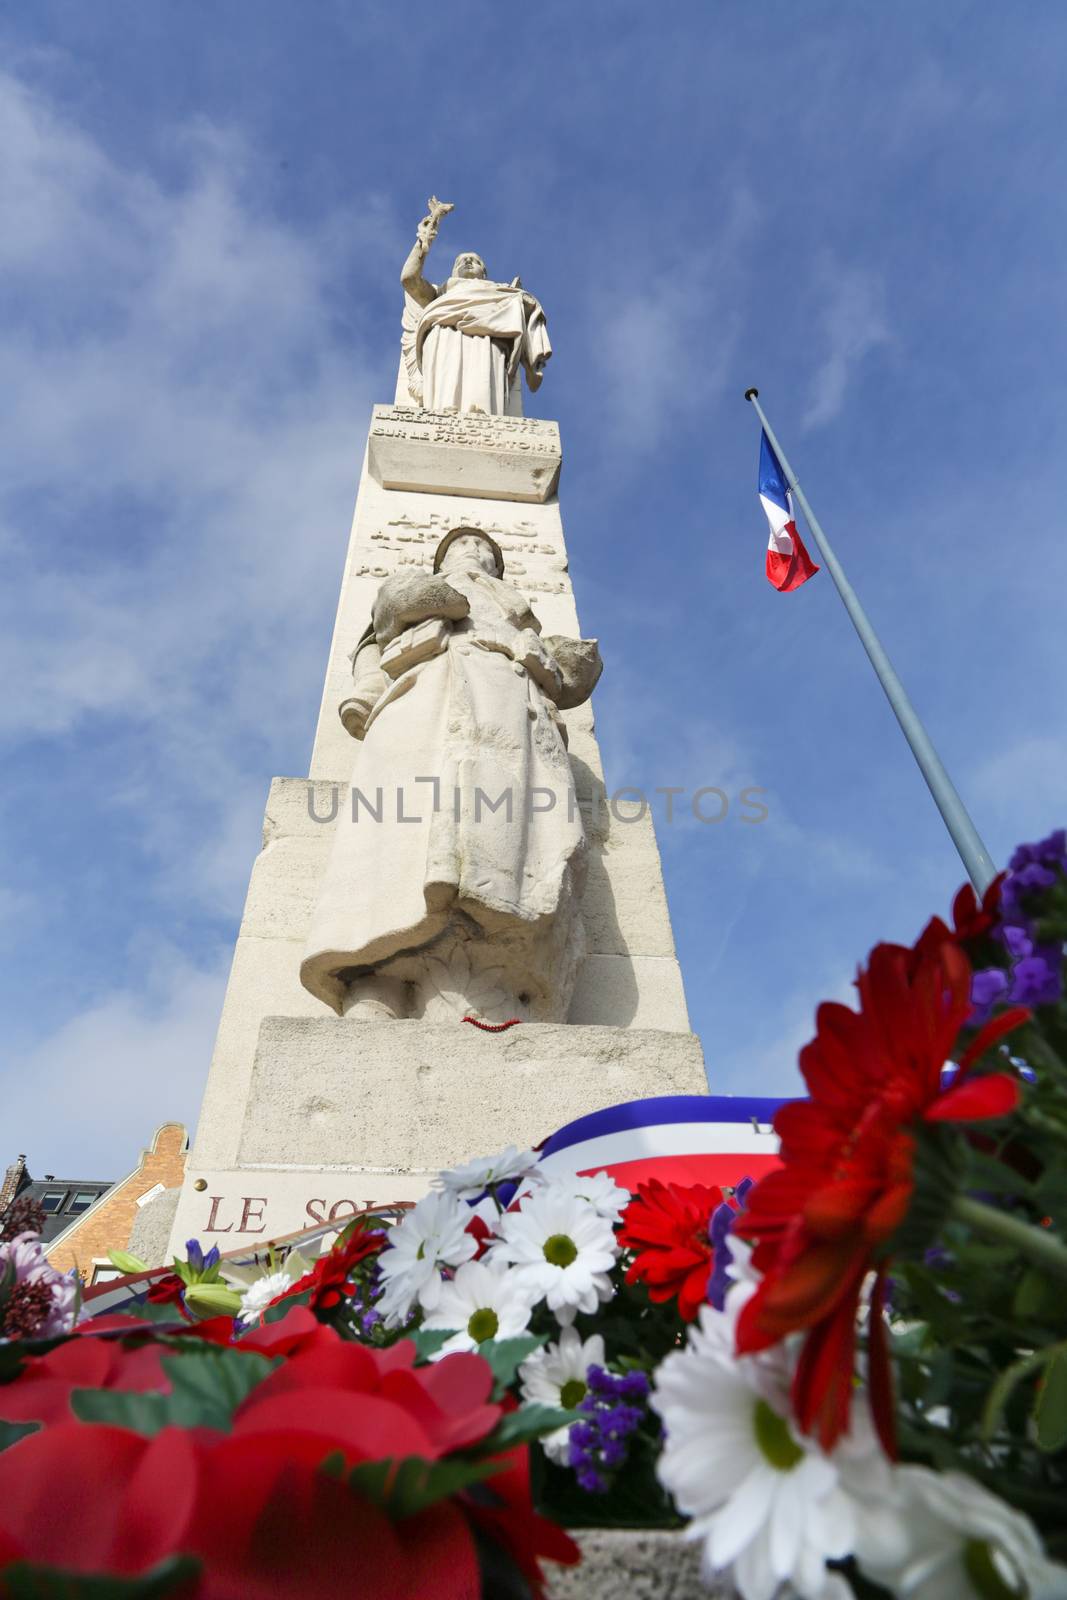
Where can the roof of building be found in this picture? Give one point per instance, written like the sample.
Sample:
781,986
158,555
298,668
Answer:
64,1199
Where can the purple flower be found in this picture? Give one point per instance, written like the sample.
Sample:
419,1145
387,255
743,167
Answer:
196,1257
36,1301
1016,941
988,988
1052,850
1037,980
614,1408
1036,973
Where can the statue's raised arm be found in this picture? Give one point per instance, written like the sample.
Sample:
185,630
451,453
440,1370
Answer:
411,275
465,340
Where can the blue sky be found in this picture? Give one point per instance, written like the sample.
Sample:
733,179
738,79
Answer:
857,207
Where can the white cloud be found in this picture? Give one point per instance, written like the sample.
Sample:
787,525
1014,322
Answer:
134,1059
1023,789
663,330
183,409
852,322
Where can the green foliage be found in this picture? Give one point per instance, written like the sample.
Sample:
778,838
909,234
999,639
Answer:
505,1356
1050,1410
25,1582
12,1432
427,1342
207,1386
527,1423
636,1498
979,1305
404,1488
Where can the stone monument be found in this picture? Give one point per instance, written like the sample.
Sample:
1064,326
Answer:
453,940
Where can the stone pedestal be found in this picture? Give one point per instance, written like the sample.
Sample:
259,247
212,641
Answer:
489,458
338,1113
624,1564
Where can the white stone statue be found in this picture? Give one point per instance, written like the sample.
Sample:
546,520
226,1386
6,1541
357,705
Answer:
465,340
452,888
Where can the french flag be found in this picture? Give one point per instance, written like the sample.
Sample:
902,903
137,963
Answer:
788,563
709,1139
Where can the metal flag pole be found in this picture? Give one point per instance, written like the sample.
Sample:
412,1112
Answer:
964,834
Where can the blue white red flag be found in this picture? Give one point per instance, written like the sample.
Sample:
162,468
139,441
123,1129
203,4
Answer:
679,1138
788,563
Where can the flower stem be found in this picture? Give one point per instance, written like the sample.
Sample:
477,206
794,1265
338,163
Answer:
1038,1246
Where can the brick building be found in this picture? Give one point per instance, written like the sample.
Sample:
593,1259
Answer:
87,1218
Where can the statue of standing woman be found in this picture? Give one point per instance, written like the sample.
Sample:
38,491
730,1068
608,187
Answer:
466,341
453,888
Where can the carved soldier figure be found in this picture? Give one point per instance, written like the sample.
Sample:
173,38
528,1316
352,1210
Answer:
452,890
465,340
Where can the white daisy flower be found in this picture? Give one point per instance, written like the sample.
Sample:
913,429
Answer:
602,1192
430,1236
259,1294
561,1249
768,1504
475,1176
555,1375
257,1284
958,1541
483,1301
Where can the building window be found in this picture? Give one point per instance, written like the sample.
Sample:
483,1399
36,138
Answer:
53,1201
83,1199
104,1275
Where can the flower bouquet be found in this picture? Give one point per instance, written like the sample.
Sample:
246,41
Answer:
847,1379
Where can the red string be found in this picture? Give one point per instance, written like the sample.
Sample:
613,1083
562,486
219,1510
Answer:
493,1027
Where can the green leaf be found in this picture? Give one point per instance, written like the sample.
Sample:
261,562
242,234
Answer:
427,1342
127,1263
154,1312
25,1582
407,1487
283,1308
1031,1294
207,1386
505,1356
1003,1389
12,1432
529,1422
1050,1411
213,1382
122,1408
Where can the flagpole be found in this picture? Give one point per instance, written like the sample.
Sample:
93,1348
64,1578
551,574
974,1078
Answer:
964,834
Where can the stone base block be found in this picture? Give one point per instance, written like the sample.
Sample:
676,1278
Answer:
341,1113
487,458
621,1564
414,1096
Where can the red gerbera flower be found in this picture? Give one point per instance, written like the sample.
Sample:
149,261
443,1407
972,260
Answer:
821,1222
328,1278
668,1227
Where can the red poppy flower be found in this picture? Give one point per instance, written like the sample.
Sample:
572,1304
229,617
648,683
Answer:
357,1397
270,1526
42,1390
821,1222
668,1227
254,1504
97,1499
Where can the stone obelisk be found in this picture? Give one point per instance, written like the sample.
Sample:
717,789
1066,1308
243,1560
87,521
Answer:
452,940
